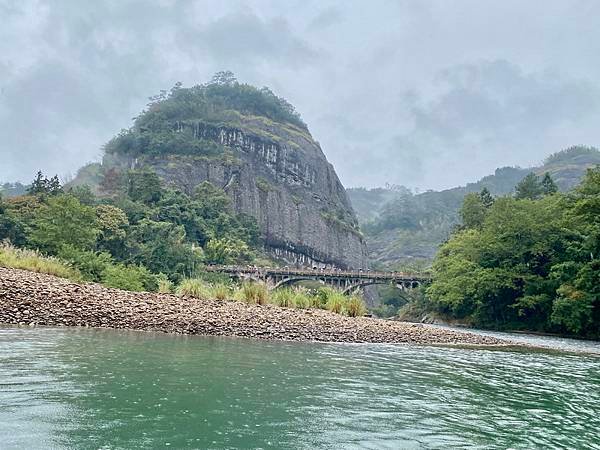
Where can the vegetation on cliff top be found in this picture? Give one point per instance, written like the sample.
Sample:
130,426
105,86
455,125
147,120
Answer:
167,125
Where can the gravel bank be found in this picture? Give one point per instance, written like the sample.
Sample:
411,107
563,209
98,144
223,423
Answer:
29,298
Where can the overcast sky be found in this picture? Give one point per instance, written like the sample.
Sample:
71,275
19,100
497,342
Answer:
428,94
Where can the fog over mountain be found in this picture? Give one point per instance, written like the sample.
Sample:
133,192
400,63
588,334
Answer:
429,94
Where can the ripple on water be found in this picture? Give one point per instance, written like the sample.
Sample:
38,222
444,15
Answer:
76,388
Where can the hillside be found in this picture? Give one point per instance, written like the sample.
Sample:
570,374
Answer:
254,146
402,227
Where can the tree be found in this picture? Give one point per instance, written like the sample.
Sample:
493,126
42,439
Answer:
44,186
529,188
144,186
486,197
64,220
473,211
225,77
548,185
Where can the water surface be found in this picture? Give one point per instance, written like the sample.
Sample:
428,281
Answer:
83,388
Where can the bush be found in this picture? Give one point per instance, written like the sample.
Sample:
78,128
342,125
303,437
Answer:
301,300
221,292
355,306
255,293
283,297
165,286
129,278
36,262
336,302
91,264
193,287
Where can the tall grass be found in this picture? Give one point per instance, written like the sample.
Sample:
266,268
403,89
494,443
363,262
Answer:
221,291
336,302
255,293
19,258
193,287
355,306
283,297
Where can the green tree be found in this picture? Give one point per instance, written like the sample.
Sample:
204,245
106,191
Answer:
473,211
529,188
44,186
64,220
144,186
549,187
486,197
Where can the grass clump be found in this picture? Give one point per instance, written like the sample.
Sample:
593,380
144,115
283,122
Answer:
165,286
221,291
193,287
283,297
254,293
18,258
336,302
355,306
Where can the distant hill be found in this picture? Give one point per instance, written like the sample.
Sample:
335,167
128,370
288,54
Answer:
402,227
12,189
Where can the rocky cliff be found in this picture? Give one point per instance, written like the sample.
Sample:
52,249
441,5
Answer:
272,169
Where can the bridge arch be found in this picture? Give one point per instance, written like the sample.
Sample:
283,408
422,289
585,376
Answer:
292,280
402,285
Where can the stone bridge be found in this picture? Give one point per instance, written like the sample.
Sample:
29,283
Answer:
344,280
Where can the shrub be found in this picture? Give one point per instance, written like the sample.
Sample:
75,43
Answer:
355,306
129,278
336,302
194,287
36,262
220,292
283,297
91,264
301,300
165,286
255,293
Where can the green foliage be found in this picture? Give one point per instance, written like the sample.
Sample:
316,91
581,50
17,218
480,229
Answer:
144,186
529,188
193,287
255,293
18,258
226,251
355,306
91,264
129,278
284,297
531,264
64,220
44,186
548,185
165,286
175,122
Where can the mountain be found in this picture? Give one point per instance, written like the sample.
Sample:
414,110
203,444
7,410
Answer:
402,227
254,146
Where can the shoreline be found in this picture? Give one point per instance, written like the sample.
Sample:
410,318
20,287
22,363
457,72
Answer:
29,298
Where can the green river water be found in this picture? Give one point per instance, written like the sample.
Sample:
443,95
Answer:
97,389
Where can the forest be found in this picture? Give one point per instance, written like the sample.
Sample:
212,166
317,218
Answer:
527,261
136,234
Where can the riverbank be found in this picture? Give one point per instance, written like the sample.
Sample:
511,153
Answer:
29,298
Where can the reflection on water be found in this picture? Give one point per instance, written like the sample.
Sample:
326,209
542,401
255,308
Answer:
75,388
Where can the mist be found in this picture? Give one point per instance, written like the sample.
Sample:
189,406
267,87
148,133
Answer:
427,94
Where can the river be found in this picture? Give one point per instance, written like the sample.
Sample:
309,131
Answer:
66,388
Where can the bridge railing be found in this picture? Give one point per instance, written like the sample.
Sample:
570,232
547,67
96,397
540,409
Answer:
265,271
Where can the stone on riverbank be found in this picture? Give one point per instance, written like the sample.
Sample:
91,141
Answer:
28,298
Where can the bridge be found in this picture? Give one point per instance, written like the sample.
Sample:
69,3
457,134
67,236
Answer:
344,280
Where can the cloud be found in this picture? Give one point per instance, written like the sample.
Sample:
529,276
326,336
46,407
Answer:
427,94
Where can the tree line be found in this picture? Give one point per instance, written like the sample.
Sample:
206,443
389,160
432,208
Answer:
528,261
135,232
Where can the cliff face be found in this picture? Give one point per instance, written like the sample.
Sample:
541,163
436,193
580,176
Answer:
275,172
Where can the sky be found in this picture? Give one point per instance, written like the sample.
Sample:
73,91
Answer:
422,93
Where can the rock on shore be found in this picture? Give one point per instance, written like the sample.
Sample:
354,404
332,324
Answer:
29,298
